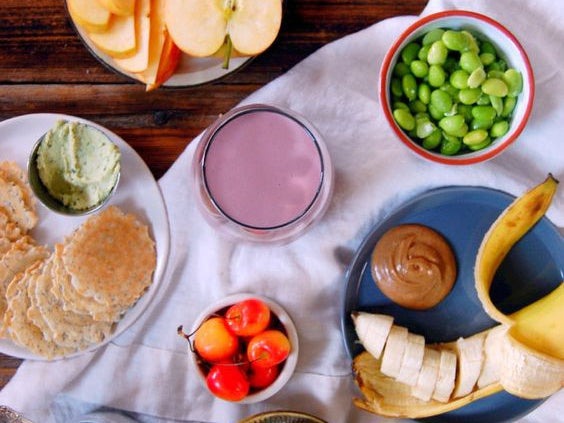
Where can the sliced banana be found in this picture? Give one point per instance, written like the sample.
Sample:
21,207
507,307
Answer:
447,376
427,378
372,330
469,352
412,360
394,350
492,356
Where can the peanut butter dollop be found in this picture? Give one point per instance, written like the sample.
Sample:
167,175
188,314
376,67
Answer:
414,266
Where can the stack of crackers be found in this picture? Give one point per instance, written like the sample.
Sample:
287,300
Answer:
55,303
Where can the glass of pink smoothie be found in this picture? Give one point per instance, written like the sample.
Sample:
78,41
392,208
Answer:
262,173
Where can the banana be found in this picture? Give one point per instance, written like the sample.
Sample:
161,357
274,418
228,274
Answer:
428,375
372,330
541,325
528,373
412,359
394,350
446,377
507,229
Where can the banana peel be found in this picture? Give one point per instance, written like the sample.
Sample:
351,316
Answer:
508,228
533,347
385,396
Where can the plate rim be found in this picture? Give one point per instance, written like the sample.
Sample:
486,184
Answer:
7,346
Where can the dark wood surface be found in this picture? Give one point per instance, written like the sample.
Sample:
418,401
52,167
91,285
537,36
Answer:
44,67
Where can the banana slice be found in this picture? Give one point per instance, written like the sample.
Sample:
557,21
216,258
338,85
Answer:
372,330
470,356
412,360
492,356
446,377
394,350
428,375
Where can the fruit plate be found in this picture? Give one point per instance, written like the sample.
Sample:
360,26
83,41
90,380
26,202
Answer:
191,71
462,215
137,192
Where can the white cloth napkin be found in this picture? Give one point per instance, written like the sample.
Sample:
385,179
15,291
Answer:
146,370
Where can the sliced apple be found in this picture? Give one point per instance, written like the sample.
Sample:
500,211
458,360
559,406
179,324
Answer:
200,27
140,60
118,40
118,7
89,14
168,62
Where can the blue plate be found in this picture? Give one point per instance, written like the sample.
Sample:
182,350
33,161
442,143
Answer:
532,269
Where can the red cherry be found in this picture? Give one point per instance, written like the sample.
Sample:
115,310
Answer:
248,317
268,348
227,382
214,342
262,377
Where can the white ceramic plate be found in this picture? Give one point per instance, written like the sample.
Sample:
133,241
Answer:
191,71
137,193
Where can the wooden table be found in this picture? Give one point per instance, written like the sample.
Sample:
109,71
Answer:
44,67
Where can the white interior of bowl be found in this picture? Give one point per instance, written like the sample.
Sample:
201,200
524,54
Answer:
506,48
291,332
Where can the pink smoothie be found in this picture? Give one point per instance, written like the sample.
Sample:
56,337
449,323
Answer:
263,169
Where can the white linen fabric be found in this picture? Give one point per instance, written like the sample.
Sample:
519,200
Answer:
146,372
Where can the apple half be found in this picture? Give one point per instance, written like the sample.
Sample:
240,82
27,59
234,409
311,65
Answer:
201,27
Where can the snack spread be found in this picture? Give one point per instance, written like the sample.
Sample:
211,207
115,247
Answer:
55,303
414,266
78,164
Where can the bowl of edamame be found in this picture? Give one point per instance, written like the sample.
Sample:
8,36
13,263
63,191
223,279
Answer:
457,87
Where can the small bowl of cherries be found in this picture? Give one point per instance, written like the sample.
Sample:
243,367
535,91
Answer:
244,348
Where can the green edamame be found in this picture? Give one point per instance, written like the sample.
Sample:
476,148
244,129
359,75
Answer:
437,76
437,53
452,93
409,86
405,119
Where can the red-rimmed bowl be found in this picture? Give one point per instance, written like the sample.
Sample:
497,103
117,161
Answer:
508,48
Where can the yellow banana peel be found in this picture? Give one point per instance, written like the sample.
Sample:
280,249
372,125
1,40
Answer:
385,396
508,228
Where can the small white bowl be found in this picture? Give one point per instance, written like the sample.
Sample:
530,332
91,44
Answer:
291,332
45,197
508,48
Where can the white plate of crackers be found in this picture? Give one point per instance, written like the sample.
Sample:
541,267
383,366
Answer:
70,284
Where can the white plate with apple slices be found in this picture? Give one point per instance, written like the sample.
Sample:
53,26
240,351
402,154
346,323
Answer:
176,43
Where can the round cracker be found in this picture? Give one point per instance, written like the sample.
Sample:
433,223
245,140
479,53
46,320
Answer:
72,300
68,328
21,330
111,257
